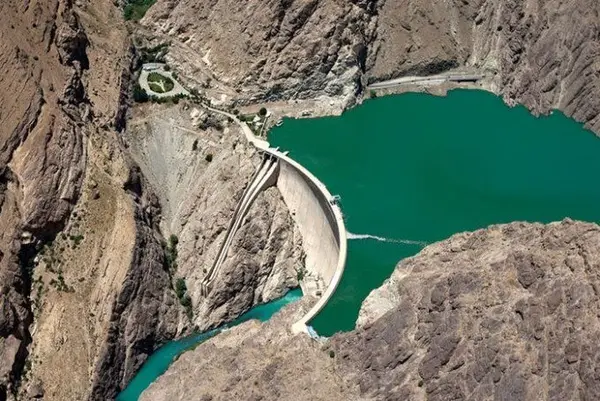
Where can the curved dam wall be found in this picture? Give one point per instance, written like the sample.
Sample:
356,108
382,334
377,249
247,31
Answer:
321,225
317,216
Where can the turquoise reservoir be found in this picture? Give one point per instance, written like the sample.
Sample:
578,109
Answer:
160,360
415,168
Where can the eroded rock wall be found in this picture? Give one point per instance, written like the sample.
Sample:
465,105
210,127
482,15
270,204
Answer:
200,173
543,54
272,49
503,313
84,288
43,128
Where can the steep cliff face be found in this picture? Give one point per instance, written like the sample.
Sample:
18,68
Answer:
267,49
42,134
504,313
200,166
256,361
96,299
543,54
548,55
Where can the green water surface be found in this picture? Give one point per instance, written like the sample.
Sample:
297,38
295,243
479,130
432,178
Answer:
160,360
419,167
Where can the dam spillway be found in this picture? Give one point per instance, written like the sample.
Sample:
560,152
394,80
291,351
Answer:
265,176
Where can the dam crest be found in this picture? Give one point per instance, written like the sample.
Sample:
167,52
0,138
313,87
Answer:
315,212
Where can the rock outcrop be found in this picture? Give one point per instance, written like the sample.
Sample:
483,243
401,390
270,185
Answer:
268,49
255,361
542,54
506,313
43,128
84,288
503,313
200,176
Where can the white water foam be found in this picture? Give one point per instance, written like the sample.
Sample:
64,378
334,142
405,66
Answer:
350,235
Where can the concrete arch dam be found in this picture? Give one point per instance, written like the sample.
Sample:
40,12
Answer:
314,210
317,216
320,221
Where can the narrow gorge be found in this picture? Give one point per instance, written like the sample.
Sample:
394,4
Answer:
115,202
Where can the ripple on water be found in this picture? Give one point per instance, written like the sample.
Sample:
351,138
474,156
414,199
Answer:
414,168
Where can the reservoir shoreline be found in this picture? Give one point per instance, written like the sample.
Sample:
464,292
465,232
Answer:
478,162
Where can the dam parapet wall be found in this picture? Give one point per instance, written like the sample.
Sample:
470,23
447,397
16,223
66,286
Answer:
320,222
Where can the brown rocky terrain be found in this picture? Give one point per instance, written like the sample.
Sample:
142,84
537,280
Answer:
543,54
86,285
265,49
51,107
200,175
76,306
88,202
504,313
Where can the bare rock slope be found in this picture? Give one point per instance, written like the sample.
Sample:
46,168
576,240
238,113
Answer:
200,176
541,53
270,49
504,313
83,285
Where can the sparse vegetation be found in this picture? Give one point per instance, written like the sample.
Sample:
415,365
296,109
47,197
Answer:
139,94
184,299
186,302
194,92
59,283
169,100
180,288
154,54
171,252
301,273
373,94
136,9
76,239
38,294
211,122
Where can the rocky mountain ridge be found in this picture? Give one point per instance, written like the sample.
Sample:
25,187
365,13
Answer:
542,54
45,121
503,313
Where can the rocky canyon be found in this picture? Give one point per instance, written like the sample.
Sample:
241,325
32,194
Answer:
108,205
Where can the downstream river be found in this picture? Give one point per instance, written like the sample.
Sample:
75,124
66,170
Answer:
160,360
414,168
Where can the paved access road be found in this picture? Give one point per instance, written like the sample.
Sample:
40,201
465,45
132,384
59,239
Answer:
431,80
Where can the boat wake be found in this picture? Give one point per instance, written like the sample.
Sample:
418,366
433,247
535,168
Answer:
350,235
